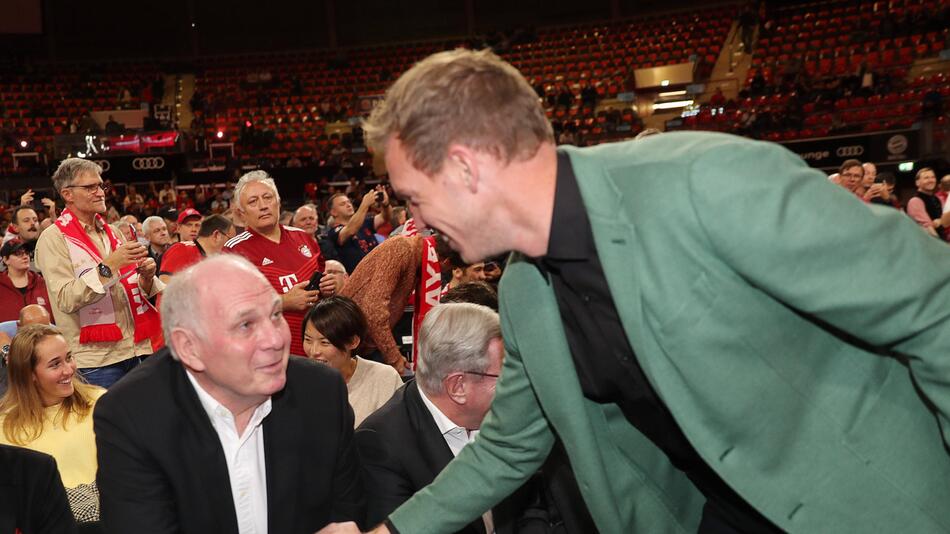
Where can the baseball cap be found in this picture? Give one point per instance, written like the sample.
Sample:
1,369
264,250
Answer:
187,214
11,246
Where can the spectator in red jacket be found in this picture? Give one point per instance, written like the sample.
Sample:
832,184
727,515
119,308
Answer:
19,285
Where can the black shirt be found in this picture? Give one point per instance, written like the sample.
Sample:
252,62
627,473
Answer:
606,363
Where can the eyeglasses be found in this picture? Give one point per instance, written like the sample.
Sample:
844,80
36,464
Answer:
91,188
489,375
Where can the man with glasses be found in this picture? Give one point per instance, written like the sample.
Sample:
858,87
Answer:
408,441
98,282
850,176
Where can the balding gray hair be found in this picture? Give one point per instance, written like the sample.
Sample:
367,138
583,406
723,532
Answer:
454,338
72,168
182,297
254,176
149,222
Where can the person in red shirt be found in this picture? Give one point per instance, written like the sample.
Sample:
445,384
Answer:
287,256
189,221
215,231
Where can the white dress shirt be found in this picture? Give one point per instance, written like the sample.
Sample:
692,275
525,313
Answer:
245,459
456,438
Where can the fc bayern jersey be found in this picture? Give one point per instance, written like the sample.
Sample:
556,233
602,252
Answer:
285,265
180,256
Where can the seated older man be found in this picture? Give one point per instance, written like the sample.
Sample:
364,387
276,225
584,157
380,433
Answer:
407,442
222,431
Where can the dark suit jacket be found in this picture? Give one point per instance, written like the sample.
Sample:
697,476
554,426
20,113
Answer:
32,497
162,468
402,450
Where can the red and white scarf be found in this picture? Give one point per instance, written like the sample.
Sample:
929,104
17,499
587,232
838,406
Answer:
428,293
97,320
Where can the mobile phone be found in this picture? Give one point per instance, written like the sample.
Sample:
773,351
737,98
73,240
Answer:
135,235
315,281
379,197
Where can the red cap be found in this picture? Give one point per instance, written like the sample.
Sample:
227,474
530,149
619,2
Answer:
187,214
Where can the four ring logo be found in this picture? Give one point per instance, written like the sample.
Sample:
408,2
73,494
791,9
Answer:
148,164
849,151
104,163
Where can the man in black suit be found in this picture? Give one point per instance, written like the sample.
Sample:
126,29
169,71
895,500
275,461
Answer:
410,439
32,497
222,431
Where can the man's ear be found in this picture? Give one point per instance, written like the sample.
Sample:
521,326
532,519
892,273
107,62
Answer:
454,386
465,165
186,348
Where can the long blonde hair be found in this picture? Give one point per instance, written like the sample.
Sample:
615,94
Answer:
22,407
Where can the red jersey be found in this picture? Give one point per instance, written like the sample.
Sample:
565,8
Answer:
285,264
180,256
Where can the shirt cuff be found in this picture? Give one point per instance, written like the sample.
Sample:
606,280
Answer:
392,528
91,278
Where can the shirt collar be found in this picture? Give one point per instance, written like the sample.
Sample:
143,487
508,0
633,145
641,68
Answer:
441,420
570,237
217,412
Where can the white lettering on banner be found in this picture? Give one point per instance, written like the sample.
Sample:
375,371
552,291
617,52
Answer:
816,156
433,285
140,304
287,282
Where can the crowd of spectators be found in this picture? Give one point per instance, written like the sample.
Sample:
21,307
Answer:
144,235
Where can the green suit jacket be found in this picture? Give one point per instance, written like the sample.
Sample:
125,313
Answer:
800,337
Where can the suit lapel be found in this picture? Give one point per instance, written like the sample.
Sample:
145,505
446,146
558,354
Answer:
432,446
203,446
281,434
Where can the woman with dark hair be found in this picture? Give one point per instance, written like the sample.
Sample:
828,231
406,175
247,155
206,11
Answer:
333,329
48,408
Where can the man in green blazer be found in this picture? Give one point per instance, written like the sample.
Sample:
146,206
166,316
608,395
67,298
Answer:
724,341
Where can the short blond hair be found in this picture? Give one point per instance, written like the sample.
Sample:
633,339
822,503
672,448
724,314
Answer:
460,96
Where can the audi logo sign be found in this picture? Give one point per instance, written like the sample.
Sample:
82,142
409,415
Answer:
104,163
850,151
148,164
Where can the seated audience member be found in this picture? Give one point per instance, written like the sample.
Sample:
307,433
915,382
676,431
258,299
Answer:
381,286
222,431
924,207
48,408
473,292
405,444
287,256
215,231
354,231
189,222
19,286
333,329
286,217
337,269
30,314
32,494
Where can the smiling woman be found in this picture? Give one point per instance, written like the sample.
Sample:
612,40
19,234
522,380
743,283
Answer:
48,408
